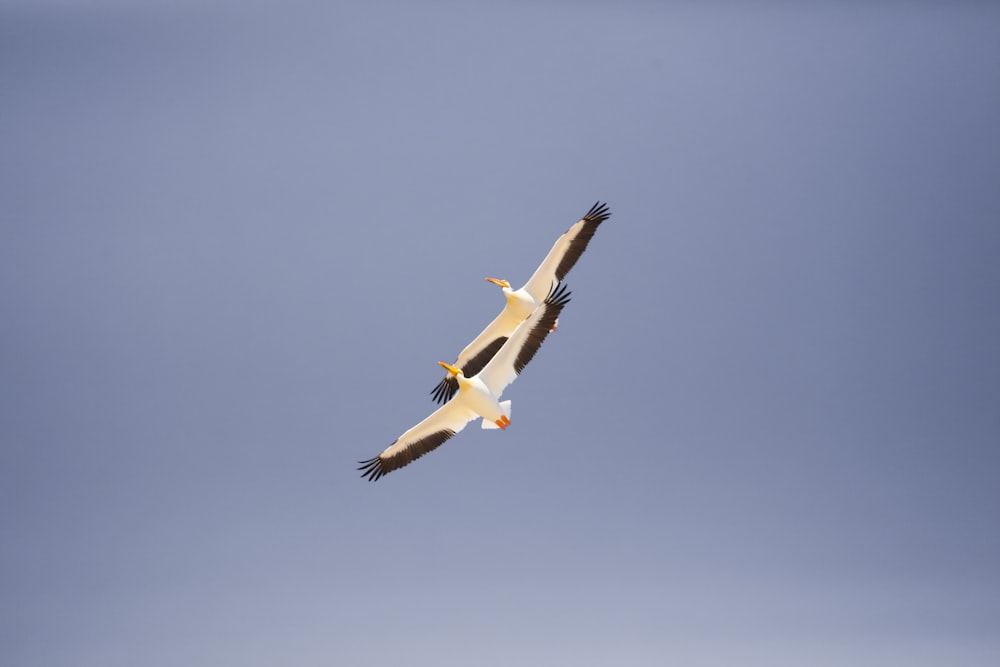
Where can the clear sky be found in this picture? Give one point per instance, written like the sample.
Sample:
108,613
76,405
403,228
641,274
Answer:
236,237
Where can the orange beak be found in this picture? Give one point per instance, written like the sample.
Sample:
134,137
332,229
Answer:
448,367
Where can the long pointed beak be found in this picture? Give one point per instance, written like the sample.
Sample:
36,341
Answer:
498,282
448,367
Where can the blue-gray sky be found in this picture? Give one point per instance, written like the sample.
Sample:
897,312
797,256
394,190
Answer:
236,239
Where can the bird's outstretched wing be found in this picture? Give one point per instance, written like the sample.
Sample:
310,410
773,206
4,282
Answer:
567,250
428,435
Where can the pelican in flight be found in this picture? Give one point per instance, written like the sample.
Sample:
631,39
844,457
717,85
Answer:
521,303
478,396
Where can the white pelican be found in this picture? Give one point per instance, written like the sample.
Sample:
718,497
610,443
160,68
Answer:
478,396
521,303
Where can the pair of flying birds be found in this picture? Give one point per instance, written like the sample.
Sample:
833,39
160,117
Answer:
495,358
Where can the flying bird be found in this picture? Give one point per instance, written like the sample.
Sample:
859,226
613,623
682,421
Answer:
521,303
478,395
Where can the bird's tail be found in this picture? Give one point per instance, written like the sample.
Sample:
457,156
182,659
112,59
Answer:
505,406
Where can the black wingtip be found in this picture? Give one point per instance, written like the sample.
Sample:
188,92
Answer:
558,295
445,390
598,213
372,469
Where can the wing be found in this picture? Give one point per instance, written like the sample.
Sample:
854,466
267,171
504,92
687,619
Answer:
522,345
477,353
429,434
566,252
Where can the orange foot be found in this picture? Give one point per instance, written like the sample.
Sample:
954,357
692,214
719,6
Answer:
503,422
500,423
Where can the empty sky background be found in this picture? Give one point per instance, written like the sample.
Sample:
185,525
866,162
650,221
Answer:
236,237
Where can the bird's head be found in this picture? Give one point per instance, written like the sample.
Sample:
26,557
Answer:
451,369
499,282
